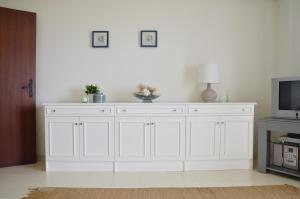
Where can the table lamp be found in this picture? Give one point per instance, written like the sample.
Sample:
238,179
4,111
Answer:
209,73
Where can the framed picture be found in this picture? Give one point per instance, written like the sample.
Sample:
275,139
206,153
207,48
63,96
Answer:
100,39
149,38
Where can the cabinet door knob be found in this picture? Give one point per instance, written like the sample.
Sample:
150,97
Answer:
53,110
102,110
147,123
152,123
76,123
124,110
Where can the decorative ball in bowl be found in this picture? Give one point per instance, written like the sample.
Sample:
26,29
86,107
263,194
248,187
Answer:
144,98
146,93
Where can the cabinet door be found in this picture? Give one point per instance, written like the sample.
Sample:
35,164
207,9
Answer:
132,138
62,135
96,138
202,138
237,137
167,138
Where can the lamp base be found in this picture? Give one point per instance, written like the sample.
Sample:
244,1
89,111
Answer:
209,95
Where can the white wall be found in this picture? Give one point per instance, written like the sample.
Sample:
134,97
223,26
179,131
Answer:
295,36
287,39
236,34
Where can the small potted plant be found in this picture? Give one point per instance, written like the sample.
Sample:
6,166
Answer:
90,90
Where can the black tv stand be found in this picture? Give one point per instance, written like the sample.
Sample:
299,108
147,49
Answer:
265,128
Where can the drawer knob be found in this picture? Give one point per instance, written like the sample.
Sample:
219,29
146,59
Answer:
53,110
124,110
243,109
196,110
174,110
102,110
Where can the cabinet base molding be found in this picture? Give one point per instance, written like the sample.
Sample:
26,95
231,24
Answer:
79,166
149,166
218,165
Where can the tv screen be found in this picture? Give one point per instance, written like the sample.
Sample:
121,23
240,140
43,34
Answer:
289,95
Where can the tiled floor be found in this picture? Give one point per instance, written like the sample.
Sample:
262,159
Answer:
15,181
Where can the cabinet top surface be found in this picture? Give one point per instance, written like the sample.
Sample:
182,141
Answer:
148,104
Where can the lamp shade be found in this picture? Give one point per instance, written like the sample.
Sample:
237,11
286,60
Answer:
209,73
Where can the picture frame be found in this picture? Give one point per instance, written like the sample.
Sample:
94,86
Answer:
100,39
148,38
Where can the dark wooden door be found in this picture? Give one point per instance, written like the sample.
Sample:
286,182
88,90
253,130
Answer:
17,87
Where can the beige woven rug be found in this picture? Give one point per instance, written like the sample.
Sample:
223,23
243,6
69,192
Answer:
255,192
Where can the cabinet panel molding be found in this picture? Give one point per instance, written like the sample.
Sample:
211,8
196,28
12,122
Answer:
132,138
237,137
168,138
62,138
203,138
97,134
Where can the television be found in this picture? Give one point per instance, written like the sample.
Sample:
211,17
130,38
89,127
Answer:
286,97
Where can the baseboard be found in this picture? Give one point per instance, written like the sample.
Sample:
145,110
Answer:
149,166
79,166
218,165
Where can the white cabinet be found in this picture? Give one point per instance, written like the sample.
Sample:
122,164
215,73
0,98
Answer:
237,137
203,138
132,138
79,138
62,138
219,142
168,135
97,138
223,137
146,138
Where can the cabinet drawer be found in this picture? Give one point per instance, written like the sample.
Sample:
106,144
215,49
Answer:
91,110
220,110
136,110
